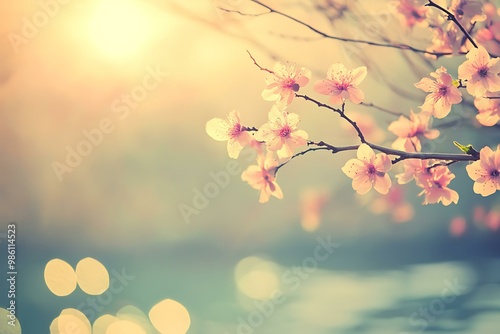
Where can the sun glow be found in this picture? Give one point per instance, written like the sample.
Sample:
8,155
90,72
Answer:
121,28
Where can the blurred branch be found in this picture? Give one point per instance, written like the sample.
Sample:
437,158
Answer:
366,104
343,39
453,18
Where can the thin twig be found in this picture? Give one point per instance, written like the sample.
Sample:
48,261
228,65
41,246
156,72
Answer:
447,164
367,104
256,64
453,18
241,13
351,40
341,113
298,154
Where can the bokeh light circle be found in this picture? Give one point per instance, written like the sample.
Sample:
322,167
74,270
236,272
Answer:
92,276
60,277
170,317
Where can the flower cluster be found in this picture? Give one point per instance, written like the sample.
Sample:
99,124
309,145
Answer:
459,27
281,135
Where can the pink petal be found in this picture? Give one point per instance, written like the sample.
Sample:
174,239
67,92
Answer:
358,75
382,184
356,95
353,167
218,129
365,153
324,87
362,184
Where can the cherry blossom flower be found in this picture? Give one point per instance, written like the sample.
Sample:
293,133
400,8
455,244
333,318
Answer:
435,184
479,214
486,171
281,134
230,130
434,180
369,170
488,109
262,177
442,93
447,37
410,130
492,220
489,35
341,84
458,226
413,11
312,203
412,169
467,11
393,203
285,82
481,72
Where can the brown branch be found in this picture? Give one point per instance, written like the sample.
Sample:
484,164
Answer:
351,40
341,113
402,155
366,104
249,128
453,18
256,64
241,13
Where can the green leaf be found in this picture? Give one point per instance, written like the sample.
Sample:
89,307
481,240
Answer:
467,149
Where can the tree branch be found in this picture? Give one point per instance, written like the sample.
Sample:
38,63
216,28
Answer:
343,39
453,18
366,104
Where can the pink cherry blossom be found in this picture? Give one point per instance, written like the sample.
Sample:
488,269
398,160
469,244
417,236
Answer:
262,177
488,109
442,93
478,214
393,203
447,37
467,11
492,220
369,170
458,226
413,11
410,130
481,72
285,82
280,133
435,186
486,171
341,84
412,169
312,203
489,35
230,130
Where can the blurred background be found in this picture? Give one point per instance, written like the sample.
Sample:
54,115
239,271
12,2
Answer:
131,84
